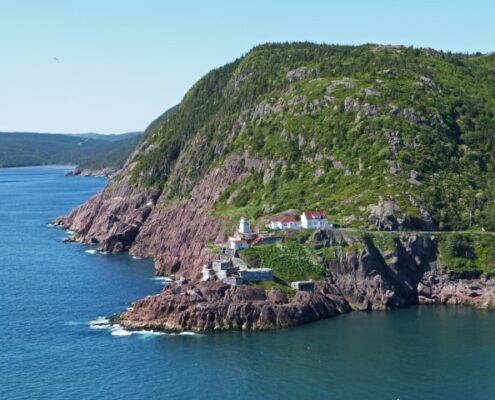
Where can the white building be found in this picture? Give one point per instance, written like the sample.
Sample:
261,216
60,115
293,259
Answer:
244,226
238,244
314,220
284,223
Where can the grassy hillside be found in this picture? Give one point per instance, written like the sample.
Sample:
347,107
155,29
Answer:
344,125
23,149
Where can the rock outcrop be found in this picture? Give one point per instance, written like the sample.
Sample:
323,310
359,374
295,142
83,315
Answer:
214,306
370,280
103,172
445,289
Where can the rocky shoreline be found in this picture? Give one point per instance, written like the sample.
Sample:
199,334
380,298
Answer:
214,306
356,282
101,173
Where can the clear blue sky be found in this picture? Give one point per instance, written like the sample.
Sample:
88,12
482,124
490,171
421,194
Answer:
125,62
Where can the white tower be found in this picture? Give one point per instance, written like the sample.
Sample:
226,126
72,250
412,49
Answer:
244,226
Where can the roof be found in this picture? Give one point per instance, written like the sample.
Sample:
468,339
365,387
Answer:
239,241
284,220
315,214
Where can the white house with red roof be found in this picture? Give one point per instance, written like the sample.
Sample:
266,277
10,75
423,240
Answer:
314,220
284,223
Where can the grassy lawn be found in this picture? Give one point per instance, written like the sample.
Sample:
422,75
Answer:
286,290
290,261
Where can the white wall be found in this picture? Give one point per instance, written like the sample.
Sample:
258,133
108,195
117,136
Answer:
313,223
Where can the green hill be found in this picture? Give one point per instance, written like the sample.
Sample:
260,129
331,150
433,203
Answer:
92,151
343,127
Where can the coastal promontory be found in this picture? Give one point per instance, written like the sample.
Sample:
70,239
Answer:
392,145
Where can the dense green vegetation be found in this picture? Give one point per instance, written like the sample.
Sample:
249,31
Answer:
276,284
90,151
471,253
290,261
355,124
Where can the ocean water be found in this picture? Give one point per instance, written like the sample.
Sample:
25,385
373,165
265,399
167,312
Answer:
50,291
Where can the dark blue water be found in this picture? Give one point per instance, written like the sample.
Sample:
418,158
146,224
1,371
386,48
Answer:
49,291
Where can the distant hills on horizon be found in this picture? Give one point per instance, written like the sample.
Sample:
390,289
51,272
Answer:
85,150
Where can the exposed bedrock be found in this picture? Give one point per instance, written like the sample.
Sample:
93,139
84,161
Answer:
138,220
444,289
112,218
370,280
214,306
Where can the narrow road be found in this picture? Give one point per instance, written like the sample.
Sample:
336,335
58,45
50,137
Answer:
366,231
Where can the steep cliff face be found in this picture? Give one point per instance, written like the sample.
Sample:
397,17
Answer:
128,218
112,219
370,280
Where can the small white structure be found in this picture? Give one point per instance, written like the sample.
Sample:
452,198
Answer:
314,219
221,265
233,280
244,226
208,273
306,286
284,223
238,244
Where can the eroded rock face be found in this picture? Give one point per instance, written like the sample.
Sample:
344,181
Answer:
297,74
384,215
214,306
111,218
126,218
102,172
444,289
370,280
176,234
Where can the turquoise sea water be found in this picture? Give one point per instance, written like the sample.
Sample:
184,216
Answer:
50,291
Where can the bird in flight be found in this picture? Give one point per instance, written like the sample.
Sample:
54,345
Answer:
58,60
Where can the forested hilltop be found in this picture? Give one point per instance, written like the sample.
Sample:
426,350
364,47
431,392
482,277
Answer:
386,130
90,151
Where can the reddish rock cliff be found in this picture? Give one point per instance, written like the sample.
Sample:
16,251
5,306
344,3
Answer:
138,220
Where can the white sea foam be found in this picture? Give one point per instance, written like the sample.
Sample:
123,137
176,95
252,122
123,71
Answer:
69,232
50,225
100,323
121,332
149,333
118,330
91,251
163,279
136,258
187,333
